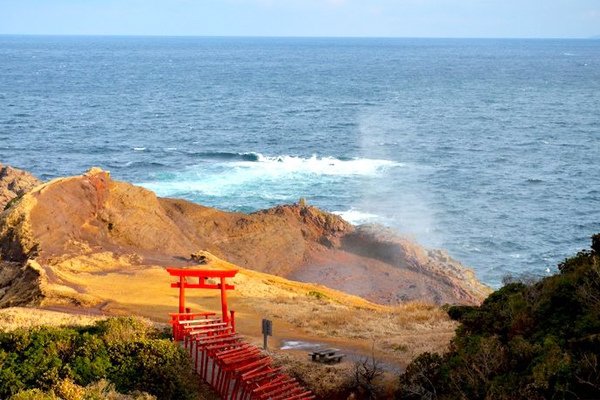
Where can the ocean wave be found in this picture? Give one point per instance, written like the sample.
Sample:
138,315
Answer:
226,156
285,164
267,180
356,217
137,164
321,165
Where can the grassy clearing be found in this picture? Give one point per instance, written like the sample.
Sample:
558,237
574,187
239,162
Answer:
311,311
408,329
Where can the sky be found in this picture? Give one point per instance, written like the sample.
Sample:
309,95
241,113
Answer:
346,18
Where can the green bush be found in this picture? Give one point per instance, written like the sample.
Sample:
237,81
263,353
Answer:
34,394
538,341
68,390
127,352
316,294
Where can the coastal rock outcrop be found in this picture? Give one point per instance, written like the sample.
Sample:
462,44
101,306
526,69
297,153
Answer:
94,224
14,183
381,243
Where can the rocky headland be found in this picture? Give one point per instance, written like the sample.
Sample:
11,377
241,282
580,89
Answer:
91,223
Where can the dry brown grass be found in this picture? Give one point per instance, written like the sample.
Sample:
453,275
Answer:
20,317
406,330
326,381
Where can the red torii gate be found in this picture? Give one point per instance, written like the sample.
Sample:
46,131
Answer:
203,275
236,369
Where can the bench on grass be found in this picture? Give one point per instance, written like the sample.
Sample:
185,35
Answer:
327,356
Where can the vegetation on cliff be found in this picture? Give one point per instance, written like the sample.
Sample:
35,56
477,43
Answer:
537,341
126,354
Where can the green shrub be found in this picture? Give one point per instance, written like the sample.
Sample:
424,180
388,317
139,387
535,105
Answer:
34,394
128,352
12,202
317,295
537,341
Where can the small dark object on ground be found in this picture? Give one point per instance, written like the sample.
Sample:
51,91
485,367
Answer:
199,258
327,356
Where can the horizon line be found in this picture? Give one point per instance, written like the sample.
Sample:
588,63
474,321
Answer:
595,37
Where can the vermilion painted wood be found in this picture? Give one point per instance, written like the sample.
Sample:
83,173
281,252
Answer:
261,373
206,354
303,396
240,383
224,363
262,362
178,318
192,315
235,369
216,347
282,389
203,275
237,360
194,330
199,322
280,379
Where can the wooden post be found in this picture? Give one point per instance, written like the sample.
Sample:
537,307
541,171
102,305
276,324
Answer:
224,301
267,330
181,294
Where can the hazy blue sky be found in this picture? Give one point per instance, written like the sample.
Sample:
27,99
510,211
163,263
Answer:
412,18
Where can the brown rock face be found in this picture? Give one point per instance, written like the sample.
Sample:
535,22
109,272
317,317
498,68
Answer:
91,214
20,285
14,183
442,277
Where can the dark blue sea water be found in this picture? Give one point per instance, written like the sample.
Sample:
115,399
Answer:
487,148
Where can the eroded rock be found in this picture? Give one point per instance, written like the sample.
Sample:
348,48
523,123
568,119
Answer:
14,183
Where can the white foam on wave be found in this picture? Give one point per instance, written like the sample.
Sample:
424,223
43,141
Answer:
318,165
276,178
139,148
180,186
356,217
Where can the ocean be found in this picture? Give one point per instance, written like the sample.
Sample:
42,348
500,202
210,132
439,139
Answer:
489,149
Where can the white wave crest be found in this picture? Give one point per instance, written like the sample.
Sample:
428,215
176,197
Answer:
283,178
356,217
318,165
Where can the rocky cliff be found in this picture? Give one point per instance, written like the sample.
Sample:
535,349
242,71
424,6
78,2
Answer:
94,224
14,183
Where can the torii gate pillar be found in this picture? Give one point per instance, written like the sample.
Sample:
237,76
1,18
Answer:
182,294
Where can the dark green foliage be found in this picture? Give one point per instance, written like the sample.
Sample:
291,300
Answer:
12,202
126,351
538,341
423,378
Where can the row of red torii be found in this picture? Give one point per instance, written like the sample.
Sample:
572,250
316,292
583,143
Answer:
235,369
